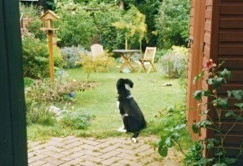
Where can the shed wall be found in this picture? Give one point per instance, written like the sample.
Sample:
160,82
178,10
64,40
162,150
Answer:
216,31
230,51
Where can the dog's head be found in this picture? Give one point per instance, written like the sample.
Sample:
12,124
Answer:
124,84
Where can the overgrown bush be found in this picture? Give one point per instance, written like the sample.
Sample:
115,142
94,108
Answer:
77,26
44,91
28,81
38,113
132,27
87,23
172,23
107,34
35,57
42,94
76,120
100,63
173,124
173,64
71,55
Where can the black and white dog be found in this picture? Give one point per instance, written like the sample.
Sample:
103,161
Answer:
132,116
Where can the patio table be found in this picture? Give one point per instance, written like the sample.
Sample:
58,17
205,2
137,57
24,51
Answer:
126,55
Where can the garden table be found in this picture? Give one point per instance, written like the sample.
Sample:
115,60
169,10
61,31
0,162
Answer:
126,55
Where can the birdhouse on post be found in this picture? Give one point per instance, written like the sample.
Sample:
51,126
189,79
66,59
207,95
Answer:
48,19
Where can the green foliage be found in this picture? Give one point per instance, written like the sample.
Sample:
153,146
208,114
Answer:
172,24
76,121
173,125
58,60
194,156
96,19
71,55
150,9
107,34
28,81
132,25
44,91
38,113
49,5
217,77
173,64
35,58
100,63
41,94
32,13
77,26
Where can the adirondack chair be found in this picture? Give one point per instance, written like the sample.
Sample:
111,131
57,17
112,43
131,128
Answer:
97,50
99,57
148,59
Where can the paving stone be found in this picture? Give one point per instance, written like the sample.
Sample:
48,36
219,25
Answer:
110,161
38,163
36,157
77,151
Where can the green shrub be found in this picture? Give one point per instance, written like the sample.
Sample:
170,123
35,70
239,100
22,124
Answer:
77,26
172,23
76,120
35,58
38,113
132,27
101,63
44,91
58,60
173,124
173,64
107,34
71,55
216,109
172,115
28,81
41,94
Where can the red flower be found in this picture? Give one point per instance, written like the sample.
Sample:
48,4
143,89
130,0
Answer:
209,64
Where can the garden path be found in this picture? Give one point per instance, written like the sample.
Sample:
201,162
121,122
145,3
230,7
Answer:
114,151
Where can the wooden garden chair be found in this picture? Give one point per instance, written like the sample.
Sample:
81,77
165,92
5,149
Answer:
99,55
148,59
97,50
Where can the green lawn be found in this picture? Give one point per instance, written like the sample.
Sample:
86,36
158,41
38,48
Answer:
148,91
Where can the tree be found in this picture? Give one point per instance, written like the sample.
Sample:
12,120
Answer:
132,25
172,23
150,9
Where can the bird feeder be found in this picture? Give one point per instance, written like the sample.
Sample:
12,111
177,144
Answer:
48,19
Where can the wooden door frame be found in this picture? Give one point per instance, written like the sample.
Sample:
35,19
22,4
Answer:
13,141
195,60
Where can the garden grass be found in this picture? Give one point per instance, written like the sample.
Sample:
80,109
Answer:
100,101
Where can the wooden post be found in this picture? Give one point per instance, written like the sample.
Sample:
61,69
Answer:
51,57
126,45
47,25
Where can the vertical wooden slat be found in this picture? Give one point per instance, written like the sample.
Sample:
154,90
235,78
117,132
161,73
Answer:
195,59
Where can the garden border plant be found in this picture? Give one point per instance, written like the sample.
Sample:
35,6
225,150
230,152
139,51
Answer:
218,105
